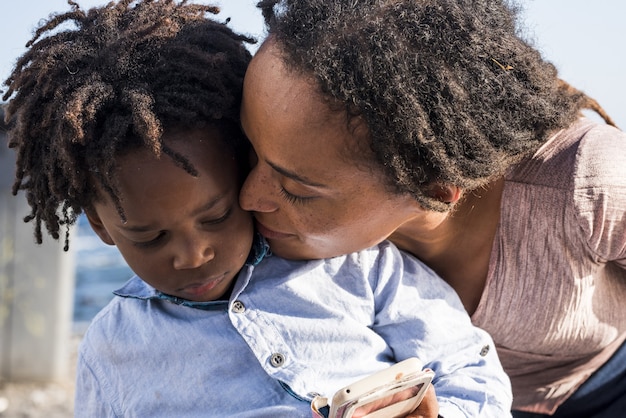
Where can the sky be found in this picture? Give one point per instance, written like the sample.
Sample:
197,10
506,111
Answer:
582,38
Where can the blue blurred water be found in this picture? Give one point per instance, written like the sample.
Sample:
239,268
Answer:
100,269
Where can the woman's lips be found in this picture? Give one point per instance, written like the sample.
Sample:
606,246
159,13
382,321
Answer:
271,234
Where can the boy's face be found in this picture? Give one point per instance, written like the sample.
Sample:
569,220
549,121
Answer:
185,236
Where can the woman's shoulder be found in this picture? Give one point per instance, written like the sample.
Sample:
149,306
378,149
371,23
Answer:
601,157
578,176
586,154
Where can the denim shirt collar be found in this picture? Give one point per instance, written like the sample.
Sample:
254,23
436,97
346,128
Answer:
138,289
260,249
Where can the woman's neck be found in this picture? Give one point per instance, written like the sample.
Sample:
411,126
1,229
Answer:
457,245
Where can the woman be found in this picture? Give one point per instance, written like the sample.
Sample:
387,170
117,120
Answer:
434,124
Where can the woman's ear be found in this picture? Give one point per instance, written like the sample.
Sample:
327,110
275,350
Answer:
98,227
445,193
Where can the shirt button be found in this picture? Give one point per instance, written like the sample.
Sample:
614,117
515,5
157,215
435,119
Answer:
277,360
484,351
238,307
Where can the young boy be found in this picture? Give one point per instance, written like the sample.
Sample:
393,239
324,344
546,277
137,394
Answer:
132,117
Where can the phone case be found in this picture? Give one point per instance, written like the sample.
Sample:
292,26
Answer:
406,376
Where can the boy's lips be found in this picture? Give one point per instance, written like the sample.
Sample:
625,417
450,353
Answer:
270,233
200,288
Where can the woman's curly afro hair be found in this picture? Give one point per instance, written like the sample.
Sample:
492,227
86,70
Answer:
449,90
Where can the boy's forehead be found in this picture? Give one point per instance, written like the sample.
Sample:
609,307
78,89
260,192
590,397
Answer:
192,175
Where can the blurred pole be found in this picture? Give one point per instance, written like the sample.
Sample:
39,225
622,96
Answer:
36,290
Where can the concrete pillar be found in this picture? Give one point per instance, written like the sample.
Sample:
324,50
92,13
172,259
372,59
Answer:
36,290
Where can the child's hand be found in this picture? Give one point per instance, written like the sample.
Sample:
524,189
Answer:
429,408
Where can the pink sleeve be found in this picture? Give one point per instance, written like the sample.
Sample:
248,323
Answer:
600,192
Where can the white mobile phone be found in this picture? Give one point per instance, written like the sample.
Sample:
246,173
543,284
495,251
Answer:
393,392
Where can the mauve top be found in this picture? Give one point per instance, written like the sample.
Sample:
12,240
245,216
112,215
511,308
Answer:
555,297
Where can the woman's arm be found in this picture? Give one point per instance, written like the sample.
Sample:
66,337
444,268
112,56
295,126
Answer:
420,315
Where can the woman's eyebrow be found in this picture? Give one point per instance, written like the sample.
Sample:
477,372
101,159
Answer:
290,174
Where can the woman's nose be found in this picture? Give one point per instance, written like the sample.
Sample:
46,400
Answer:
257,193
193,253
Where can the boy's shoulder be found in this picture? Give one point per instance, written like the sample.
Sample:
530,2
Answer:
131,309
138,312
119,311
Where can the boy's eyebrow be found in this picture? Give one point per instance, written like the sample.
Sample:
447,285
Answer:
294,176
206,207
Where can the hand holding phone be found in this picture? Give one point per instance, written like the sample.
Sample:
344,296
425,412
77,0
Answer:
393,392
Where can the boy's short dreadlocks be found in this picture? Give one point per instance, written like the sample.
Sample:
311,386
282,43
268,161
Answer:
118,78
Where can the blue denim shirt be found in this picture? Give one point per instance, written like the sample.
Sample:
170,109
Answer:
291,329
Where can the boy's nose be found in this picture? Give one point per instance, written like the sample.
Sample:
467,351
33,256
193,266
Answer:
193,254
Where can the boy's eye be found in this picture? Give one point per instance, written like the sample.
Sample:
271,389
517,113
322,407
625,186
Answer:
220,219
159,238
151,243
292,198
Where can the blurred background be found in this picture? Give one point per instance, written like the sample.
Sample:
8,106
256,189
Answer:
581,38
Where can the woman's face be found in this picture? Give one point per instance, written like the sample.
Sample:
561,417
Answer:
311,198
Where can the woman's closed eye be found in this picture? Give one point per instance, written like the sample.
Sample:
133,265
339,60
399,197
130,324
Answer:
294,199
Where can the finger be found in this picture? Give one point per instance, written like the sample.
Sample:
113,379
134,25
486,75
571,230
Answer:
429,408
